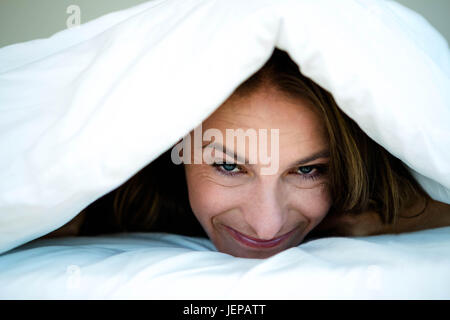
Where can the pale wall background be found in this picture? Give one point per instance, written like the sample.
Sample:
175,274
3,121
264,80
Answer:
23,20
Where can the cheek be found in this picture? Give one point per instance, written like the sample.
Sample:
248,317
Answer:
314,203
206,197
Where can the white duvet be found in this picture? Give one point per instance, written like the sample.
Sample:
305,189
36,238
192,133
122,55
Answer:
87,108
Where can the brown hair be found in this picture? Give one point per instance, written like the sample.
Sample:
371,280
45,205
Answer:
362,175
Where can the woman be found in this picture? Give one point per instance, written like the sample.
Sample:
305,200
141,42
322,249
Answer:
332,179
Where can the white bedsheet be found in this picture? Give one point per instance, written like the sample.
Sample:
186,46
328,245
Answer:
164,266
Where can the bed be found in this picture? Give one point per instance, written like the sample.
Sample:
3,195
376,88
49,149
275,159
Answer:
72,103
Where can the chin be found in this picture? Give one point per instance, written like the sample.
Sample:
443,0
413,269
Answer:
258,255
250,254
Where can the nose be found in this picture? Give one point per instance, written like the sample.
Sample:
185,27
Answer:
265,211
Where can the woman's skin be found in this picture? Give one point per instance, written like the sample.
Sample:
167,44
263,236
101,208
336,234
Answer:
264,207
241,212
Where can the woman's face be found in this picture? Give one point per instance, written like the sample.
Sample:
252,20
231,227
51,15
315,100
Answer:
249,214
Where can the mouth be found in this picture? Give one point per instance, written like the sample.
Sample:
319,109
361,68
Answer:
258,243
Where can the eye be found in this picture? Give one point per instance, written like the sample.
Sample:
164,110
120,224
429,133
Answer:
312,171
227,169
306,170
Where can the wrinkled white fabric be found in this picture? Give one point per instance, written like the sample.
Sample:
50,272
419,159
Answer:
164,266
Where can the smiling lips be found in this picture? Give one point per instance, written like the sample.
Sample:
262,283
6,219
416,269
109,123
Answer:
258,243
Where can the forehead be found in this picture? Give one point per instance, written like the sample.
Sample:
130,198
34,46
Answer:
267,108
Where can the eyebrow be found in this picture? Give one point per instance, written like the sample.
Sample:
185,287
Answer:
318,155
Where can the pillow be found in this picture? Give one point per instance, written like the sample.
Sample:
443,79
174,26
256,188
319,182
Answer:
167,266
86,109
